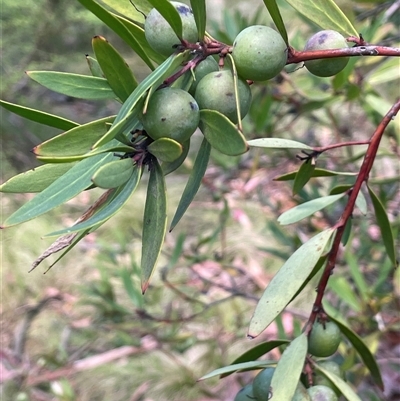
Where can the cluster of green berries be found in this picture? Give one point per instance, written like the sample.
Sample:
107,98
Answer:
323,341
259,54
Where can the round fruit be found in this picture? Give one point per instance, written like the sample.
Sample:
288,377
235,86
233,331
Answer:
161,36
259,53
331,367
216,91
322,393
324,339
324,40
202,69
301,393
245,393
171,113
262,383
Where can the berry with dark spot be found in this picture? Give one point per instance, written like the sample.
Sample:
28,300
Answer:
325,40
171,113
160,35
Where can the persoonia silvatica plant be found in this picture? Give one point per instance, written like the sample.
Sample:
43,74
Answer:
151,135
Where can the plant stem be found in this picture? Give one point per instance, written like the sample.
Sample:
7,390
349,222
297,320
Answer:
362,177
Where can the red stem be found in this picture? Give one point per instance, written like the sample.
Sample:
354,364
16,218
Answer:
296,56
346,215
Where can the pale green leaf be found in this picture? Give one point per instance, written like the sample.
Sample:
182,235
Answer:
277,143
74,85
306,209
287,282
326,14
288,370
35,180
39,116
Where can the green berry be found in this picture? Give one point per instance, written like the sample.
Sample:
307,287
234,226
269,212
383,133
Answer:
202,69
161,36
171,113
331,367
262,383
259,53
216,91
245,393
325,40
301,393
322,393
324,339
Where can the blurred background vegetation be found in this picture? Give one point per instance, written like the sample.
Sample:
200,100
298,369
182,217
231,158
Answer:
84,332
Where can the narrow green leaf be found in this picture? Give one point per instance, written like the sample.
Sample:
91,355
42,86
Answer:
326,14
154,223
251,365
306,209
318,172
117,26
171,15
363,351
200,16
357,275
384,225
112,207
169,167
361,203
39,116
287,281
113,174
74,85
304,174
347,231
277,143
345,292
193,184
289,368
165,149
94,67
125,7
74,181
138,33
319,265
256,352
132,291
221,133
273,9
341,385
126,117
35,180
117,72
75,142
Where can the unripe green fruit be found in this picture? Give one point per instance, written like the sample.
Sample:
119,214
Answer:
202,69
259,53
324,339
161,36
245,393
171,113
331,367
322,393
262,383
324,40
301,393
216,91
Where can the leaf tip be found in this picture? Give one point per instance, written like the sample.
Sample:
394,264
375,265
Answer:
145,286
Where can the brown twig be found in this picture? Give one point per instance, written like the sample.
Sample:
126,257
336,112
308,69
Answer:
347,213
